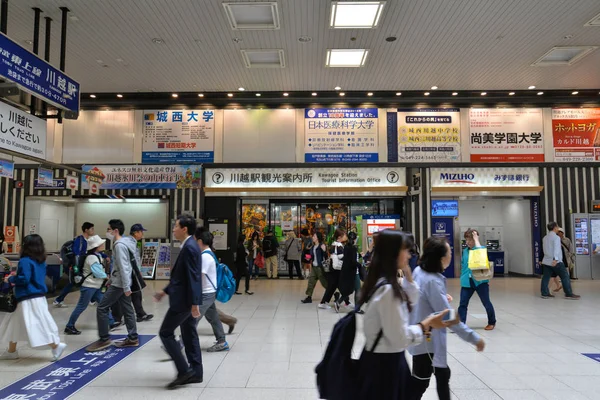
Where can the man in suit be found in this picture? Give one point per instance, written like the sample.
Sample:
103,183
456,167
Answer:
185,297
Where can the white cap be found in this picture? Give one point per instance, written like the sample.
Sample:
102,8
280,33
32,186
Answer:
95,241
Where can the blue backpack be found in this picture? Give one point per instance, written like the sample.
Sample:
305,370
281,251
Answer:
226,283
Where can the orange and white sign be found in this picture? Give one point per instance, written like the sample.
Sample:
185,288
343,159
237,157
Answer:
12,239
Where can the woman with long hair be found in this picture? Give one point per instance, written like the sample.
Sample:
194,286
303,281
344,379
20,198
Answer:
241,265
430,357
335,268
384,370
254,249
31,321
318,253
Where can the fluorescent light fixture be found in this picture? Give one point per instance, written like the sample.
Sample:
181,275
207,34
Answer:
346,58
454,93
93,96
106,200
314,93
263,15
563,55
511,94
531,87
575,92
370,94
263,58
355,14
142,200
594,21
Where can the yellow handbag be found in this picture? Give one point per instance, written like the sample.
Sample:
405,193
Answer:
480,265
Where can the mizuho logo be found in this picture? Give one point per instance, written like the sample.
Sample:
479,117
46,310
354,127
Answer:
458,178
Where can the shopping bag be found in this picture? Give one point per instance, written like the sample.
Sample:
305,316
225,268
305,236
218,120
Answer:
480,265
259,261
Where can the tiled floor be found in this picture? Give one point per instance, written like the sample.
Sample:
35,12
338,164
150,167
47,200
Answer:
534,353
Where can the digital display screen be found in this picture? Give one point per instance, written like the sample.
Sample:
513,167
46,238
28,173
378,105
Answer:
444,208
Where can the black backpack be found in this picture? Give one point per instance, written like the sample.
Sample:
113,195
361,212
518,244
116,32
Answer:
67,255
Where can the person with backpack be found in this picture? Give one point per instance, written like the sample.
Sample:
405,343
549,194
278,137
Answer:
318,255
123,282
293,253
335,268
136,233
70,255
270,250
349,279
92,282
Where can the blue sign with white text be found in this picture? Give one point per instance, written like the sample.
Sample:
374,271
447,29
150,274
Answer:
36,76
65,377
444,208
56,184
178,157
444,227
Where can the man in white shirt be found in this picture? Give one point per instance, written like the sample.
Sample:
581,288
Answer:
553,262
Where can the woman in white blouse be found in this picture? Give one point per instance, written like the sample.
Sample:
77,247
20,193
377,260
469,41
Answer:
384,370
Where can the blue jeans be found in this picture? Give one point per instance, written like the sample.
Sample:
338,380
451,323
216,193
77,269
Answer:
251,267
561,271
483,291
86,296
66,290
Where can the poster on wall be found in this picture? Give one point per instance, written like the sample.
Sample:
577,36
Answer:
45,177
429,134
149,257
22,132
219,231
178,136
163,262
506,134
7,169
341,135
576,134
142,176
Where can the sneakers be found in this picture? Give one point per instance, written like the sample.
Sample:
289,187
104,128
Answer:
224,346
58,351
71,330
114,326
93,303
324,306
573,297
9,356
127,343
58,304
307,300
547,296
99,345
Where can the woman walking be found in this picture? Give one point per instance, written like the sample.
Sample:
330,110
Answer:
31,321
318,253
254,249
335,268
241,265
293,253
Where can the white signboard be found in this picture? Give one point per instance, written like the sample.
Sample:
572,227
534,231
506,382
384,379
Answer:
506,134
22,132
219,232
178,136
484,177
299,178
340,135
429,134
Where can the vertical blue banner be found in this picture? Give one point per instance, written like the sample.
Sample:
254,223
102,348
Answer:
444,226
392,136
536,234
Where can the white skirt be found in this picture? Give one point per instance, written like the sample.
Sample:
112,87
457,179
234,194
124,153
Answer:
30,322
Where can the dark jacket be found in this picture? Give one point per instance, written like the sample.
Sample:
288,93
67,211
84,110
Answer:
30,281
270,246
241,260
185,285
320,255
349,270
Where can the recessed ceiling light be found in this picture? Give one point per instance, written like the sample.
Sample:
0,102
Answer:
511,94
229,94
241,89
540,93
454,93
200,95
398,93
575,92
342,94
427,93
355,14
434,88
93,96
175,95
257,94
314,93
337,88
370,94
483,93
346,58
157,41
531,87
120,96
286,94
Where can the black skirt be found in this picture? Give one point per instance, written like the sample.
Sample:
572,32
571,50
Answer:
384,376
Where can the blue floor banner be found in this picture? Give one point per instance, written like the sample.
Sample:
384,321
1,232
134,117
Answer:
65,377
593,356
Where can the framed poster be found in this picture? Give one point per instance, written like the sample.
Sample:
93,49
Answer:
576,134
163,262
149,256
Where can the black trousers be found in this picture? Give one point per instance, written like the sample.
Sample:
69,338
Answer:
136,299
291,265
189,336
239,272
333,281
423,369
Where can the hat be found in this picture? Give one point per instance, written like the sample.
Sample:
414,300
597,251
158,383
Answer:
137,228
95,241
561,230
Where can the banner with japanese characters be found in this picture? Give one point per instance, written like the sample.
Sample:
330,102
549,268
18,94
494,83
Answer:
576,134
22,132
506,134
179,136
341,135
429,134
142,176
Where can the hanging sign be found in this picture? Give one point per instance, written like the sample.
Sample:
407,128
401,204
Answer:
506,134
181,136
58,184
36,76
142,177
21,132
7,169
429,134
484,177
341,135
576,134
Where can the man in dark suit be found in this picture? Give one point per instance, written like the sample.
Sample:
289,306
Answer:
185,297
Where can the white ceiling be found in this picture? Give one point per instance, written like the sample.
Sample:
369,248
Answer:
454,44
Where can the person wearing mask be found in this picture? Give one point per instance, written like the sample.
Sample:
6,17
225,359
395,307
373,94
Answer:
335,268
349,280
119,291
293,253
270,248
254,249
568,250
136,233
553,262
430,357
79,250
306,245
241,265
93,279
469,285
318,253
185,290
31,321
383,366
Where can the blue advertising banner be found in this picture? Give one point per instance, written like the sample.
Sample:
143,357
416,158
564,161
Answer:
536,234
143,176
45,177
56,184
444,226
65,377
341,135
444,208
7,169
36,76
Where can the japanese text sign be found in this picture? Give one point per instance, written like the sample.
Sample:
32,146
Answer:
576,134
142,176
22,132
341,135
36,76
506,134
485,177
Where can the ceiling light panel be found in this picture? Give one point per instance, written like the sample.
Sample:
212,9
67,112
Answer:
355,14
252,16
346,58
594,21
264,58
564,55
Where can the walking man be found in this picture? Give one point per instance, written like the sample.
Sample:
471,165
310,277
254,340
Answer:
553,262
185,298
136,234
